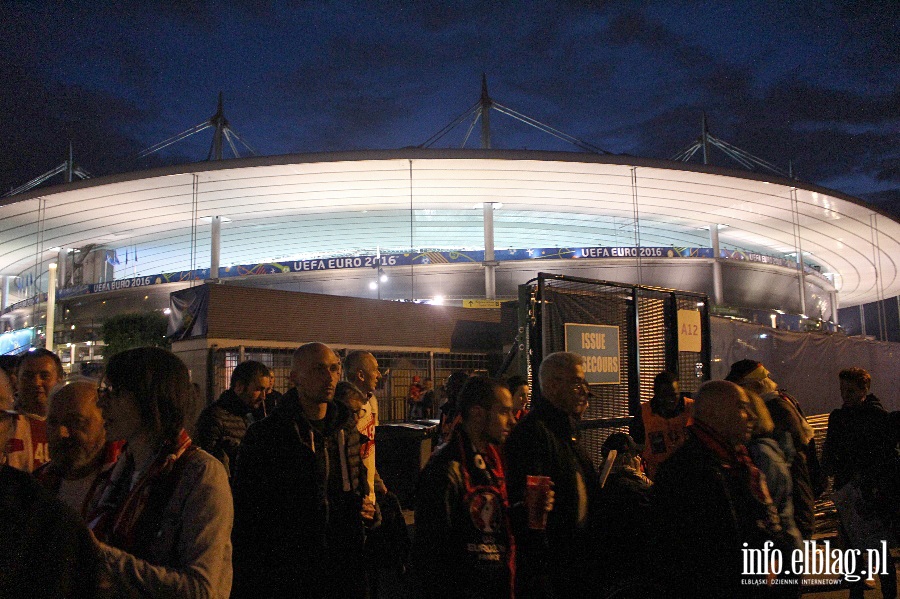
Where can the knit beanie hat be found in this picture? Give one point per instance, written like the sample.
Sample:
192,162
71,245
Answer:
741,369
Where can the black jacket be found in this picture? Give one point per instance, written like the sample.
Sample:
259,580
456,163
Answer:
461,549
701,517
859,444
297,529
559,561
221,428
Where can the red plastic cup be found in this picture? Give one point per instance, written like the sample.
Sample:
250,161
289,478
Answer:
536,490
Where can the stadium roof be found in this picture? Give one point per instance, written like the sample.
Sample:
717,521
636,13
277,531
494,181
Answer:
308,205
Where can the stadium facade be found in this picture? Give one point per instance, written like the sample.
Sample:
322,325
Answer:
450,226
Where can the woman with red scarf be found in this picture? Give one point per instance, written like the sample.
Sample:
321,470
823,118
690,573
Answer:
163,519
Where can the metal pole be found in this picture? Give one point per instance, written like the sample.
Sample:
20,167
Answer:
834,307
433,408
215,247
70,165
4,298
862,320
51,306
61,263
704,134
718,294
490,265
486,104
801,274
220,124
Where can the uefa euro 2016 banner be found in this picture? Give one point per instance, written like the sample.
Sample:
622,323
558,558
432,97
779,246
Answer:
405,259
384,260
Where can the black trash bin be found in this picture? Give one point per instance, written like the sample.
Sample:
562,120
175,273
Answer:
403,449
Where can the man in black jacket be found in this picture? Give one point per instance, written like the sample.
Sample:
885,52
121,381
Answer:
558,561
222,425
463,544
709,502
859,451
298,489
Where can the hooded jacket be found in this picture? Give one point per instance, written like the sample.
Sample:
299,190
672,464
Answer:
298,492
221,428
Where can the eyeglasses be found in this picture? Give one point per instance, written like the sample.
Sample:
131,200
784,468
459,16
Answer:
582,388
104,391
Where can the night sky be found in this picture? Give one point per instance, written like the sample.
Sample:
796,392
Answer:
816,83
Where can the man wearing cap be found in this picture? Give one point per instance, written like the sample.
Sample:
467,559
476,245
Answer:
793,433
709,502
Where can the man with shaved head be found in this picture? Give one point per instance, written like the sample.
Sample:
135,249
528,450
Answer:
299,485
710,502
80,455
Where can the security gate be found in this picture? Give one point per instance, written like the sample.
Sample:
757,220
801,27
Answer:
626,333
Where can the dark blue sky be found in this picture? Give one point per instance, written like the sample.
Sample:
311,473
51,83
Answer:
814,82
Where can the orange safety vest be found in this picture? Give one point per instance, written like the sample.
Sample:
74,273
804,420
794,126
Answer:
664,435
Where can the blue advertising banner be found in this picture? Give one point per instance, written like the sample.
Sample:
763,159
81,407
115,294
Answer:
374,261
598,344
16,342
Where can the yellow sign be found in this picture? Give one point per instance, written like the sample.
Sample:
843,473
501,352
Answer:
480,303
690,331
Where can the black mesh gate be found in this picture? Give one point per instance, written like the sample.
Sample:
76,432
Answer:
646,319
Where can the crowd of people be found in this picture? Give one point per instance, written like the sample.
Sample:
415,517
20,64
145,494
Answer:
104,493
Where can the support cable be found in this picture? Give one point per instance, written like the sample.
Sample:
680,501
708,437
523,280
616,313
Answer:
434,138
174,139
194,208
471,128
879,281
412,274
637,224
589,147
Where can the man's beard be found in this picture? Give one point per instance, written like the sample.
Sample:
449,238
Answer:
71,456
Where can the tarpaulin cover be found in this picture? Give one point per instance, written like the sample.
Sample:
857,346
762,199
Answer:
806,365
188,316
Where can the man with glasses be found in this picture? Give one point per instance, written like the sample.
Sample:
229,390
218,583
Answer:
556,561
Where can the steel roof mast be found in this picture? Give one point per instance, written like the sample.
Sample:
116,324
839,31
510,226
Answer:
482,110
222,128
742,157
68,167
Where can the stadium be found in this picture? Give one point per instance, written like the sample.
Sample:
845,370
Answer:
418,224
453,227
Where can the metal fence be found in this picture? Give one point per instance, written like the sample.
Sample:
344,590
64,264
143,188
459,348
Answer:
647,319
398,368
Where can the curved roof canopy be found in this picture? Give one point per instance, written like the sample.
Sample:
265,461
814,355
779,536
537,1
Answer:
302,206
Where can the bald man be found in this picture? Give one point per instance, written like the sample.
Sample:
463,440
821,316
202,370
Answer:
709,502
80,455
299,488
